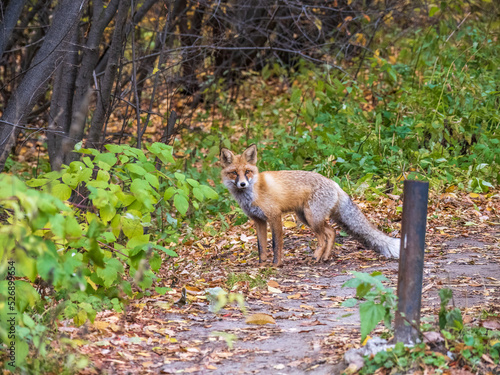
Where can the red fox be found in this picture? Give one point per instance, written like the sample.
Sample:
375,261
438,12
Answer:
265,196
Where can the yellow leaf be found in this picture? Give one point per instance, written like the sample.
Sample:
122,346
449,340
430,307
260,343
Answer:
360,40
318,23
366,340
91,283
260,319
473,195
289,224
100,325
193,290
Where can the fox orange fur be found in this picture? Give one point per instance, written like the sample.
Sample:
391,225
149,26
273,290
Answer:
266,196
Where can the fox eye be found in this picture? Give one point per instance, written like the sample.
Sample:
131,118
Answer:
233,173
247,172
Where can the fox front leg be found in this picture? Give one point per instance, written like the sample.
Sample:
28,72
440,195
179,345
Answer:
277,231
261,228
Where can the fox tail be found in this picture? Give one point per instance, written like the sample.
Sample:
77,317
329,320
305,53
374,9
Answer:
355,223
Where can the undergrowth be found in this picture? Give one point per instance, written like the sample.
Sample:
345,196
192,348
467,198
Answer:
424,105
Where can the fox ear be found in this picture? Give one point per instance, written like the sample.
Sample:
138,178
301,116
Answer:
250,154
226,156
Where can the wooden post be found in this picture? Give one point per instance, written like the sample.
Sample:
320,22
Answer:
411,261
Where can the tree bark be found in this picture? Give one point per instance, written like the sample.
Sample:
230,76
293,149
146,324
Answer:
101,17
61,105
35,81
104,92
12,13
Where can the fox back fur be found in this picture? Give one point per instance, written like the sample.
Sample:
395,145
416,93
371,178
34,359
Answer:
315,199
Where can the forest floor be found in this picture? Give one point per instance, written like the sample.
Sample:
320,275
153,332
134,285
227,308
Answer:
312,330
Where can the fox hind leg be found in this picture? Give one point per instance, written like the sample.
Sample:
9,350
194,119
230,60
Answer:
320,230
330,242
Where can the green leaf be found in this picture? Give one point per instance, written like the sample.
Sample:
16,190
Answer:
80,318
139,187
198,194
138,241
26,295
102,176
155,261
153,180
350,302
296,95
72,227
105,160
181,203
37,182
166,157
115,149
179,176
162,290
433,10
131,225
192,182
169,193
110,272
136,168
370,315
310,108
107,213
166,251
208,192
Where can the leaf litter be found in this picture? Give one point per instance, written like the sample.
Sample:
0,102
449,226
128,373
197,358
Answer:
299,324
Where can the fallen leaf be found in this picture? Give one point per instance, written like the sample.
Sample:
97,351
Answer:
491,324
260,319
273,290
433,337
308,307
273,284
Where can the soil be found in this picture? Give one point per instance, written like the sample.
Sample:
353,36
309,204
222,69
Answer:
312,330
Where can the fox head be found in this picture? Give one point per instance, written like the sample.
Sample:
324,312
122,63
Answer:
239,171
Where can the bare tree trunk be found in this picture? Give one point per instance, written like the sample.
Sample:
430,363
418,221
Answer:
101,17
104,91
11,15
37,77
61,105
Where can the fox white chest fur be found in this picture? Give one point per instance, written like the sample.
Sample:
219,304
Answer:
246,198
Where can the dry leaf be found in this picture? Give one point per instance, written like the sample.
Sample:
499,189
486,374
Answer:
260,319
273,290
307,307
193,290
273,284
491,324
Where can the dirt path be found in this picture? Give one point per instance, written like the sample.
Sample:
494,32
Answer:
312,329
